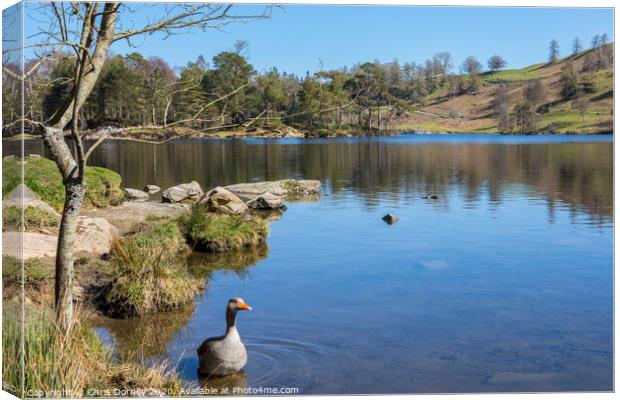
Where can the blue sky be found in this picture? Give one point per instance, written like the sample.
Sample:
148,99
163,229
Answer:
298,38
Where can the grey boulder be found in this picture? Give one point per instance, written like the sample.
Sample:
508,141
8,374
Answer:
266,201
15,198
183,192
95,237
135,195
223,201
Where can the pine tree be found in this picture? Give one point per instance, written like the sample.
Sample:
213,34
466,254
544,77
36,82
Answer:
554,51
577,47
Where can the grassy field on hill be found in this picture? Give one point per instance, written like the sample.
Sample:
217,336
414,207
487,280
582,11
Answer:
475,112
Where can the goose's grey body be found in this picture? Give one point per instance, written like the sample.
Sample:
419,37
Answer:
224,355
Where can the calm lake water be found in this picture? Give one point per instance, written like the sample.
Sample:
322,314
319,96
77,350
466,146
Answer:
502,284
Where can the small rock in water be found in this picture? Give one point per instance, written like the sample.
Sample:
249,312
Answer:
135,195
150,189
390,219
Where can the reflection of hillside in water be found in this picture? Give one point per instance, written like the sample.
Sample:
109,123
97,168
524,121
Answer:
579,174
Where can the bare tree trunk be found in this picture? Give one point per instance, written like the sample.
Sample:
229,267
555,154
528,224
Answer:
168,103
63,294
74,194
223,116
378,116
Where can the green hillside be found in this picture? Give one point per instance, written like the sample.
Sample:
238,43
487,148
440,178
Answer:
583,112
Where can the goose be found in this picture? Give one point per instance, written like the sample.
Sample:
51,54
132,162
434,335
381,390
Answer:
224,355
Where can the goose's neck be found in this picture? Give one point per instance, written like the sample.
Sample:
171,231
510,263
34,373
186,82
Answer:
231,320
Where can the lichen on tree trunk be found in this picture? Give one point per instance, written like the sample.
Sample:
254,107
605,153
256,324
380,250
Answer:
74,192
74,195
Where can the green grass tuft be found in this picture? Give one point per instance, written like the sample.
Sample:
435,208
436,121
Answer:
34,219
220,233
36,272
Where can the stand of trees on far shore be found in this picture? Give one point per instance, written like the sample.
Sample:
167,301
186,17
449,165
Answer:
228,92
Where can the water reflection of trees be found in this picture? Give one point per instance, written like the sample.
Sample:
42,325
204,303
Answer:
144,337
578,173
203,265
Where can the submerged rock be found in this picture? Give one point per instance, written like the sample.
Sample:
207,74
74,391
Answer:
29,200
266,201
285,187
183,192
223,201
150,189
390,219
135,195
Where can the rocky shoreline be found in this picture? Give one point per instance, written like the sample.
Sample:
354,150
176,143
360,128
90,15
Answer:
221,220
159,134
97,227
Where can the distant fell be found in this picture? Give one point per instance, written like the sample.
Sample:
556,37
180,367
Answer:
589,110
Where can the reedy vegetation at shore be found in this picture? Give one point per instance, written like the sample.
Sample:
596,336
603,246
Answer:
55,363
59,365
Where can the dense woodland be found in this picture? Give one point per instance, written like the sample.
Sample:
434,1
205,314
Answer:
228,92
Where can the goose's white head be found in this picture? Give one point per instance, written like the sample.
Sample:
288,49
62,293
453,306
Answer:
237,303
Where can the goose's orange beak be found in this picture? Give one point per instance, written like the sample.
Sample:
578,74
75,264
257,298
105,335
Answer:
244,306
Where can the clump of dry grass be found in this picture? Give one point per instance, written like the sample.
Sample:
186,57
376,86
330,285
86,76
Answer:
150,271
